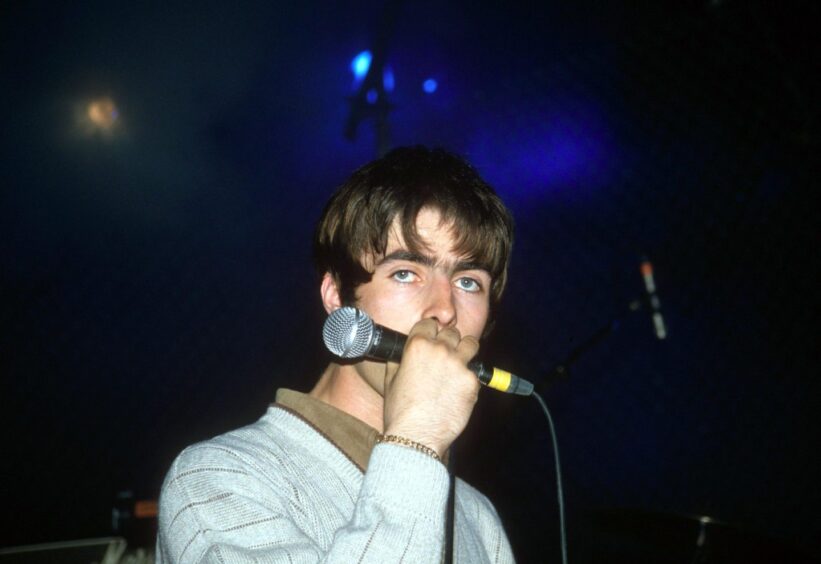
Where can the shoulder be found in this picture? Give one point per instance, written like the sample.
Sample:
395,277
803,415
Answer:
226,474
258,448
235,482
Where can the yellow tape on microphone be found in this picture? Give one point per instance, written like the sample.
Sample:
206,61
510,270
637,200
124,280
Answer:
500,380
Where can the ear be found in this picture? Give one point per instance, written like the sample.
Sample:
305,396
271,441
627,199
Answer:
330,293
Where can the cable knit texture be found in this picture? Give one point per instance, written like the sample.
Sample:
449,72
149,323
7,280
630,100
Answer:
279,491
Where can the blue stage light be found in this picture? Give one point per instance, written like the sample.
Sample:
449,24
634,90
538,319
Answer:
360,64
387,79
372,96
430,86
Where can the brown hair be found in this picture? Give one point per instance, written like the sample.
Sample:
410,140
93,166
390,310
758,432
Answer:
357,219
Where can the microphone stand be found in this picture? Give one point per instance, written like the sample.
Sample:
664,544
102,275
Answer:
562,370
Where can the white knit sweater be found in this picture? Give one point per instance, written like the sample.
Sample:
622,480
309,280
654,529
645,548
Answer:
279,491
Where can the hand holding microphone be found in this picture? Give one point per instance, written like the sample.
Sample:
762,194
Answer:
430,396
350,333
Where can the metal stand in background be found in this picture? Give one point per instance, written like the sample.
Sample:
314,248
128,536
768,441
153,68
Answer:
649,302
361,107
562,370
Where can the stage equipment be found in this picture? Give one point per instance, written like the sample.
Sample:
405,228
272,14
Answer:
649,301
370,99
360,65
135,519
653,299
87,551
633,535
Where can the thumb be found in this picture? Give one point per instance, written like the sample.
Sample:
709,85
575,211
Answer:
391,368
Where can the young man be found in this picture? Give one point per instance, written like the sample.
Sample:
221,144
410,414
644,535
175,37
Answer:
352,471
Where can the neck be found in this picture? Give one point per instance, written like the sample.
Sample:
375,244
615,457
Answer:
344,388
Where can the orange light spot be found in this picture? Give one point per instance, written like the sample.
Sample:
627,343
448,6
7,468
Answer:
102,113
145,509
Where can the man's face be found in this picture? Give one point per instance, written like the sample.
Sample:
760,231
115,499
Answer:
437,283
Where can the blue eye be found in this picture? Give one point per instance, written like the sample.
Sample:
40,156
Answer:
469,284
404,276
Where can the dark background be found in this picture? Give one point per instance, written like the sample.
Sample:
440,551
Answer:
156,279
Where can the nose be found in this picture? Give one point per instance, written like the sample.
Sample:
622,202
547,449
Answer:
439,302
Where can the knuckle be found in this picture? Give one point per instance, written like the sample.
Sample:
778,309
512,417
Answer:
451,331
426,323
424,327
470,340
468,349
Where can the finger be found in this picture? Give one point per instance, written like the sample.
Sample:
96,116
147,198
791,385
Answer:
450,336
467,349
425,328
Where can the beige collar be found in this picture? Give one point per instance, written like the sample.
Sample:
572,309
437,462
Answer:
353,437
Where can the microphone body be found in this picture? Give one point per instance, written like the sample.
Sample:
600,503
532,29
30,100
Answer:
655,304
350,333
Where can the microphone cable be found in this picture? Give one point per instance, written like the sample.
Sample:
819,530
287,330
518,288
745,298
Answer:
559,489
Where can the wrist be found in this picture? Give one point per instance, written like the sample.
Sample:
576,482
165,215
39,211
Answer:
409,443
418,435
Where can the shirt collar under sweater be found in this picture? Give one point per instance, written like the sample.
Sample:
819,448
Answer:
353,437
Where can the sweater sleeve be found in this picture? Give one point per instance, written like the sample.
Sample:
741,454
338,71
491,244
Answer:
224,512
475,511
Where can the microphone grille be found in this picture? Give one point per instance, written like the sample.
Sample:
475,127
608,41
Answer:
348,332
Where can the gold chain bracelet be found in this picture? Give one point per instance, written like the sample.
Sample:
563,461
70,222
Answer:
408,443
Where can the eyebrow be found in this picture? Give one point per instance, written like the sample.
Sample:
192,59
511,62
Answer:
427,260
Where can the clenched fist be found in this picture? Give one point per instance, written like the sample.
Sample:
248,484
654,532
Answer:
430,395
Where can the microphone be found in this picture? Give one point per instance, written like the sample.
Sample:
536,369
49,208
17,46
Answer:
655,303
350,333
